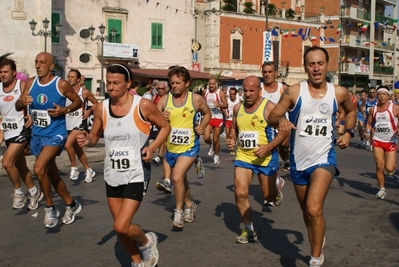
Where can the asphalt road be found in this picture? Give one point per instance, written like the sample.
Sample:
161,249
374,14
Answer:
361,230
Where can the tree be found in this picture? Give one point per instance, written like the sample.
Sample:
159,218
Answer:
248,8
272,9
290,13
230,5
5,55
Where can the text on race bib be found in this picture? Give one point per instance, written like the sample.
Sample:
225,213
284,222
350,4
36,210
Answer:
180,136
122,159
248,139
319,126
41,118
9,123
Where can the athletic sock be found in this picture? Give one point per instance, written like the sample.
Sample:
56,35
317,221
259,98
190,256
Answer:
249,226
33,191
167,180
18,191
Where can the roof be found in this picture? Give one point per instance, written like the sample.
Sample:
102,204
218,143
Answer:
163,74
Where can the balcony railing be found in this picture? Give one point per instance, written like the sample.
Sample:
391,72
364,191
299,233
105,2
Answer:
382,19
364,15
386,70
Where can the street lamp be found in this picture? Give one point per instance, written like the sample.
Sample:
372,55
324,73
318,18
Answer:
46,33
341,15
101,37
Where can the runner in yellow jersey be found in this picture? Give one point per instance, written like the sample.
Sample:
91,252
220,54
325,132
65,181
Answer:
182,146
256,153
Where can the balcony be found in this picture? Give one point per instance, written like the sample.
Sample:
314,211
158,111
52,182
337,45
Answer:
381,19
382,69
355,13
356,68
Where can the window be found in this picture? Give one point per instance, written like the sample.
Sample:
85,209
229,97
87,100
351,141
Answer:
85,58
156,35
117,25
84,35
55,19
236,49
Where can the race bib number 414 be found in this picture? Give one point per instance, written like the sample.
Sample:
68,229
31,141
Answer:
319,126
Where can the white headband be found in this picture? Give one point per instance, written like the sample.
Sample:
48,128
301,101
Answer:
383,89
127,71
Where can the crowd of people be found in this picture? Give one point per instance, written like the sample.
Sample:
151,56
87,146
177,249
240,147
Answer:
269,126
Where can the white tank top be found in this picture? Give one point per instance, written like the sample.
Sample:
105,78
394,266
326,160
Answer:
124,138
74,119
275,96
385,125
312,143
12,120
210,99
230,107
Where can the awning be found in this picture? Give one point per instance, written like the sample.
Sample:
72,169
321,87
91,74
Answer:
163,74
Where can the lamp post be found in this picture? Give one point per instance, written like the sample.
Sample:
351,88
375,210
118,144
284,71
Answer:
101,37
46,33
341,16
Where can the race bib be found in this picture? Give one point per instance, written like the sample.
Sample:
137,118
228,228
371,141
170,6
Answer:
316,126
382,127
10,123
75,113
122,159
248,139
41,118
180,136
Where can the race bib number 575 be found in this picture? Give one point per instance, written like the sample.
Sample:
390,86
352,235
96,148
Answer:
41,118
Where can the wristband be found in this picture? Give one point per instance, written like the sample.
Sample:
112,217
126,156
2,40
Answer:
350,131
68,110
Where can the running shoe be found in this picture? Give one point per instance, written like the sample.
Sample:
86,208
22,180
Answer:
164,186
286,167
210,152
89,175
74,174
189,212
246,236
150,254
34,200
381,194
391,173
280,182
136,264
70,213
277,201
178,220
18,201
216,160
232,153
157,159
199,167
51,217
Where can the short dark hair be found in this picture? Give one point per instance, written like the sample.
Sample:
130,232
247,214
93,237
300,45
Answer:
270,63
363,91
122,69
315,48
78,74
8,62
134,84
180,71
234,89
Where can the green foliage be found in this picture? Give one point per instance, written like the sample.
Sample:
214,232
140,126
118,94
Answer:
196,85
248,8
141,91
230,5
290,13
272,9
5,55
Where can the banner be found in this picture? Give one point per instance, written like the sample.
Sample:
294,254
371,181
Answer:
267,47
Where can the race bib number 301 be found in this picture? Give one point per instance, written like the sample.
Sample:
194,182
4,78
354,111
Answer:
180,136
248,139
319,126
122,159
41,118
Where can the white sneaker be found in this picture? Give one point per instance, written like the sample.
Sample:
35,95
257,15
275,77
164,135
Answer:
18,201
51,217
280,182
381,194
150,254
34,200
216,160
89,175
210,152
74,175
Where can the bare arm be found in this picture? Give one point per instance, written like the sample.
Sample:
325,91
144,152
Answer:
24,100
344,100
152,114
232,138
223,99
91,139
66,89
276,117
88,96
202,107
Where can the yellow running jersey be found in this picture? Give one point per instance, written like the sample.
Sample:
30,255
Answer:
253,130
182,119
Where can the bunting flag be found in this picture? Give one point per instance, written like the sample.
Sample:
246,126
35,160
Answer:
331,40
318,28
300,32
376,25
286,33
343,59
324,27
384,44
366,43
293,33
313,38
274,32
307,32
395,21
384,25
322,38
365,26
339,29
